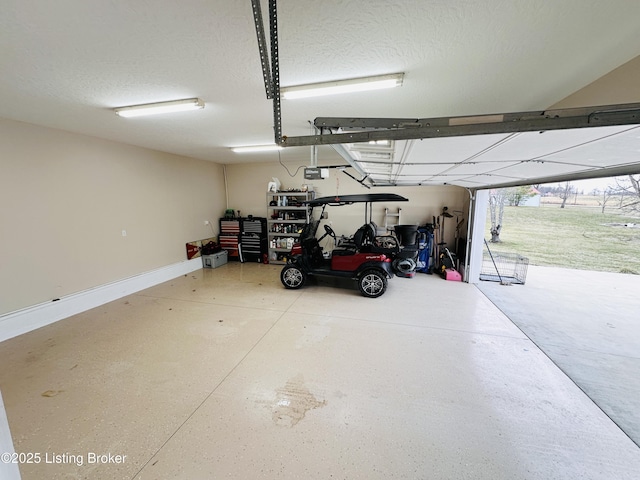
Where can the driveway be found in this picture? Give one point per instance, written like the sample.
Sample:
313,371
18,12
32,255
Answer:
588,324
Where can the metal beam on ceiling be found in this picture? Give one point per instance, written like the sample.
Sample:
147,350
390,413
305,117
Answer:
262,48
372,129
275,72
270,66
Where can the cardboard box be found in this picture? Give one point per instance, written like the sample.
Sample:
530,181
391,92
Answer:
215,260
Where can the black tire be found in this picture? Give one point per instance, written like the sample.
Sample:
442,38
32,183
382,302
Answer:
292,277
372,283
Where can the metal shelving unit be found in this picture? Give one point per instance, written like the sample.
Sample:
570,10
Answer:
286,216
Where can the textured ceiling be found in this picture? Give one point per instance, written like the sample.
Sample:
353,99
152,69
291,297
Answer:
67,64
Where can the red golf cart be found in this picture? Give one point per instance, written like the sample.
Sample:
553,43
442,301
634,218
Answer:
365,257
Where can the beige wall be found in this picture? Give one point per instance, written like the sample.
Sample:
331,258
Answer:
247,184
621,85
65,199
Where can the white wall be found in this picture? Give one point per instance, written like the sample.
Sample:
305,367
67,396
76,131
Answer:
65,199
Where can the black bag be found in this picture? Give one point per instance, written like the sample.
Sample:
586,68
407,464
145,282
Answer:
210,248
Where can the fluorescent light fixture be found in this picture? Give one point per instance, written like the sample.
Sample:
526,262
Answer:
342,86
160,107
257,148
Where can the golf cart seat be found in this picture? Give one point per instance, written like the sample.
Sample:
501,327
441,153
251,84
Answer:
354,244
364,236
341,252
365,240
373,243
310,243
380,231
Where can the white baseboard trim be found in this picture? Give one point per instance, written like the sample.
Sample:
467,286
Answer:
25,320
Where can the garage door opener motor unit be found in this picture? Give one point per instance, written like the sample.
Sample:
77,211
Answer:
315,173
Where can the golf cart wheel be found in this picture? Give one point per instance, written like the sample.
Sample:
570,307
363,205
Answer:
292,277
372,283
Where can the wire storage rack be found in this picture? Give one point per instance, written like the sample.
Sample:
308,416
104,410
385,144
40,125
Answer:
511,267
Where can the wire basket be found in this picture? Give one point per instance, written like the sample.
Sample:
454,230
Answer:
511,266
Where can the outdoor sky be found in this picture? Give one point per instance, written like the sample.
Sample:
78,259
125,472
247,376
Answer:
588,185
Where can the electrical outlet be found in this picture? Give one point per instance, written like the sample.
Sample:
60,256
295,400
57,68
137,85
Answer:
124,233
206,222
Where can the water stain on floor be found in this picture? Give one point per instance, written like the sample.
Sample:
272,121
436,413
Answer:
293,401
51,393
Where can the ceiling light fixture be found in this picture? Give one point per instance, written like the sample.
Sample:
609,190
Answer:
160,107
256,148
342,86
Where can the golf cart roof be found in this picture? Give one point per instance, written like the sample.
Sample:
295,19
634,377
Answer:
350,199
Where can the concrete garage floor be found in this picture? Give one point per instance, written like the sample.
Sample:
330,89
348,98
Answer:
225,374
588,323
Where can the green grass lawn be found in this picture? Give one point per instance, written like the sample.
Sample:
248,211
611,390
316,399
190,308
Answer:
572,237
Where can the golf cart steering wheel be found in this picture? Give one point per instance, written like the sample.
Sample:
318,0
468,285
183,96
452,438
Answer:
330,231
